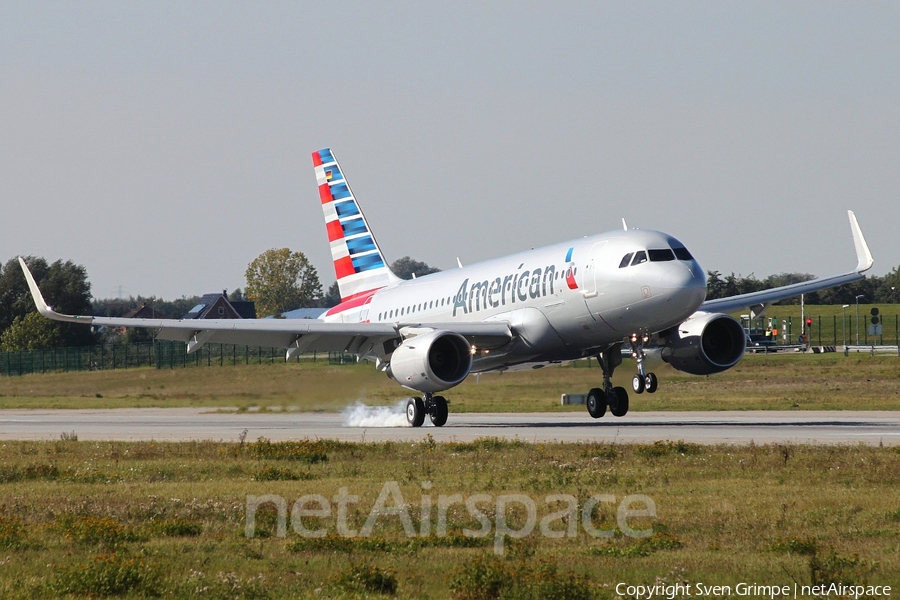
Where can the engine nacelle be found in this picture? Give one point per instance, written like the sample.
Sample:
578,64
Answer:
706,343
432,362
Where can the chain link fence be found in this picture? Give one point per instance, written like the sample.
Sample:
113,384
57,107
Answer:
158,354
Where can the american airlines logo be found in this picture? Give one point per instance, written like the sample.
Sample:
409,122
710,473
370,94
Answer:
509,289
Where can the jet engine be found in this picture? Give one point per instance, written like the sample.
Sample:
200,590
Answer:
706,343
431,362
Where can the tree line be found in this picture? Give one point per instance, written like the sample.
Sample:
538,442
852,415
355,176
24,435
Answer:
280,280
872,289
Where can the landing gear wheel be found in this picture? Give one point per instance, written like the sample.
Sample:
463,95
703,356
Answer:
596,403
651,382
620,407
415,412
637,384
439,411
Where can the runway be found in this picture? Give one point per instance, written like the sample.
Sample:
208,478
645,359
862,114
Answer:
181,424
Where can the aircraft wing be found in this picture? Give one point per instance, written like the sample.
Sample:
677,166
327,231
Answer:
765,297
295,335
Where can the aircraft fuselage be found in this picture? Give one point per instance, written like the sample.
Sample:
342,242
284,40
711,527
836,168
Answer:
564,301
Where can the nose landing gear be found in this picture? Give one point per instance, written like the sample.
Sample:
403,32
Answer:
642,380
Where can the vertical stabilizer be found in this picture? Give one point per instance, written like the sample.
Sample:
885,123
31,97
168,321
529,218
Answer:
359,264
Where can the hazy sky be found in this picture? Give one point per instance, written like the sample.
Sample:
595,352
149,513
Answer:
164,145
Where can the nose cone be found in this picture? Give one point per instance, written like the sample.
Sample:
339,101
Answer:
685,286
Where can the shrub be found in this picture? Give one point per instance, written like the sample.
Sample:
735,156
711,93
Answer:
276,474
367,578
834,568
795,546
308,451
662,448
176,527
107,575
12,533
94,530
490,578
642,547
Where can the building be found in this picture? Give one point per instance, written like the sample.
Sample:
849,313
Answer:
218,306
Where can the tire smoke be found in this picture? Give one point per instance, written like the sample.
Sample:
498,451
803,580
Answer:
361,415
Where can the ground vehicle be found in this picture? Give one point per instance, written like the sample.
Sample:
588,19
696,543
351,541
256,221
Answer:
760,342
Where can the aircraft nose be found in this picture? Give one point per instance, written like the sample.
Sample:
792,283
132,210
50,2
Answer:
686,284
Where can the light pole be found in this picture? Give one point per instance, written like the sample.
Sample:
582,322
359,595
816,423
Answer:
857,317
844,323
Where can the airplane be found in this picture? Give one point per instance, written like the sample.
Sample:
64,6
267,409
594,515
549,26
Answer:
635,289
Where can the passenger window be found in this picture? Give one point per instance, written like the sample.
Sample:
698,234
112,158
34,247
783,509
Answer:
639,257
661,255
626,260
682,253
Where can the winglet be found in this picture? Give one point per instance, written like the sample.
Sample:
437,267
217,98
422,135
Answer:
39,302
863,255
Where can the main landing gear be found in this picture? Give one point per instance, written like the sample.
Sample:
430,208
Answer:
616,398
433,406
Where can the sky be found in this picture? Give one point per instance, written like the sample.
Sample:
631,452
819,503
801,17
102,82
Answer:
165,145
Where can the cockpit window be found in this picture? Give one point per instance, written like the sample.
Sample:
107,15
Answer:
661,255
681,253
626,260
639,257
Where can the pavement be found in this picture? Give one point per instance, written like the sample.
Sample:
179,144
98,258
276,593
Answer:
382,424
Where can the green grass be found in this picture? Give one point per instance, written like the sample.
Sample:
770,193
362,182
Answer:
169,518
784,381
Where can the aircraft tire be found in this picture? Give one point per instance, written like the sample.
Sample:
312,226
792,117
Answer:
620,407
651,383
596,403
415,412
637,383
439,411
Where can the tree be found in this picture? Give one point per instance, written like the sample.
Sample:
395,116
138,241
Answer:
279,280
715,287
31,332
332,296
406,267
64,286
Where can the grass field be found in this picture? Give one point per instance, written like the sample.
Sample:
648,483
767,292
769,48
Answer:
759,382
88,519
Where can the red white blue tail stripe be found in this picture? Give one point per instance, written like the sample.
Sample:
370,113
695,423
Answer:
359,265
